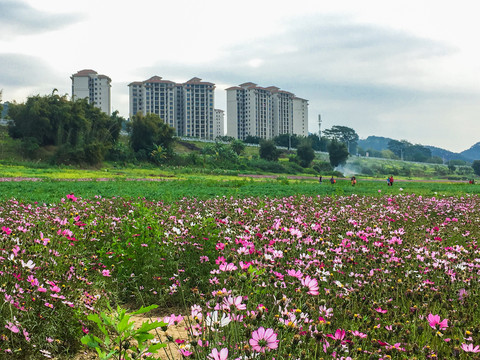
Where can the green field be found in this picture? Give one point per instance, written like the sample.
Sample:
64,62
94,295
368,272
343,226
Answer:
51,191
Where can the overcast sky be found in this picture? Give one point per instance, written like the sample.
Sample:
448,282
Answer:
405,69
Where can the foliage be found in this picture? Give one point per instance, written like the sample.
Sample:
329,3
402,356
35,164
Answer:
305,153
268,150
322,167
148,132
225,138
54,120
121,341
344,134
238,146
317,143
476,167
405,150
287,140
250,139
338,153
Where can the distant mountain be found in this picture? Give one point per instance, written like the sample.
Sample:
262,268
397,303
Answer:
473,153
378,143
446,154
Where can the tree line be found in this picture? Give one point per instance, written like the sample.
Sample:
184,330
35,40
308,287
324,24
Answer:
79,133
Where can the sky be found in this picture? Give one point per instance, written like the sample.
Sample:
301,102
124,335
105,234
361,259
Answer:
400,69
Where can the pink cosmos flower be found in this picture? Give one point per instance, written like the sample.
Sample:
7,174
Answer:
106,273
312,285
32,280
216,355
263,340
434,320
25,333
235,302
6,230
12,327
295,273
228,267
381,311
196,312
72,197
339,335
359,334
185,352
470,348
173,319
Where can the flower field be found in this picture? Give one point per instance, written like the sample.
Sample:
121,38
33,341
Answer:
299,277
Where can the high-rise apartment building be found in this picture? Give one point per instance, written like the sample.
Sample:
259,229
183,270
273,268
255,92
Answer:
187,107
219,123
94,87
264,112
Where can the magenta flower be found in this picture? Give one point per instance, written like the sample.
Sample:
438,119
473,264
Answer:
434,320
6,230
185,352
216,355
339,335
106,273
381,311
470,348
312,285
263,340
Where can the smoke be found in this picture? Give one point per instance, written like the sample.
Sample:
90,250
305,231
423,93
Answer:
348,169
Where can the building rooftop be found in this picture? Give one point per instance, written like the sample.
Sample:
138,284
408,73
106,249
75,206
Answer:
85,72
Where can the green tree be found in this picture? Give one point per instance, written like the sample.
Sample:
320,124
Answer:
268,150
1,104
305,153
237,146
148,132
252,139
476,167
318,144
343,134
337,152
287,140
79,131
398,147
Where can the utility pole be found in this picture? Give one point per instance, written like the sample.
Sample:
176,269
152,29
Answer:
319,126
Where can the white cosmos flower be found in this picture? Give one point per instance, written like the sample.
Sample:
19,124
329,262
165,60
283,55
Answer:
213,321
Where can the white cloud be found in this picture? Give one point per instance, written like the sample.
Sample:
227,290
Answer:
371,65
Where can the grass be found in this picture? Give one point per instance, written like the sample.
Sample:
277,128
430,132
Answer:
205,187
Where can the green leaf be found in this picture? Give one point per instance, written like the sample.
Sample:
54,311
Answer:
143,310
153,348
123,324
143,337
90,341
147,326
